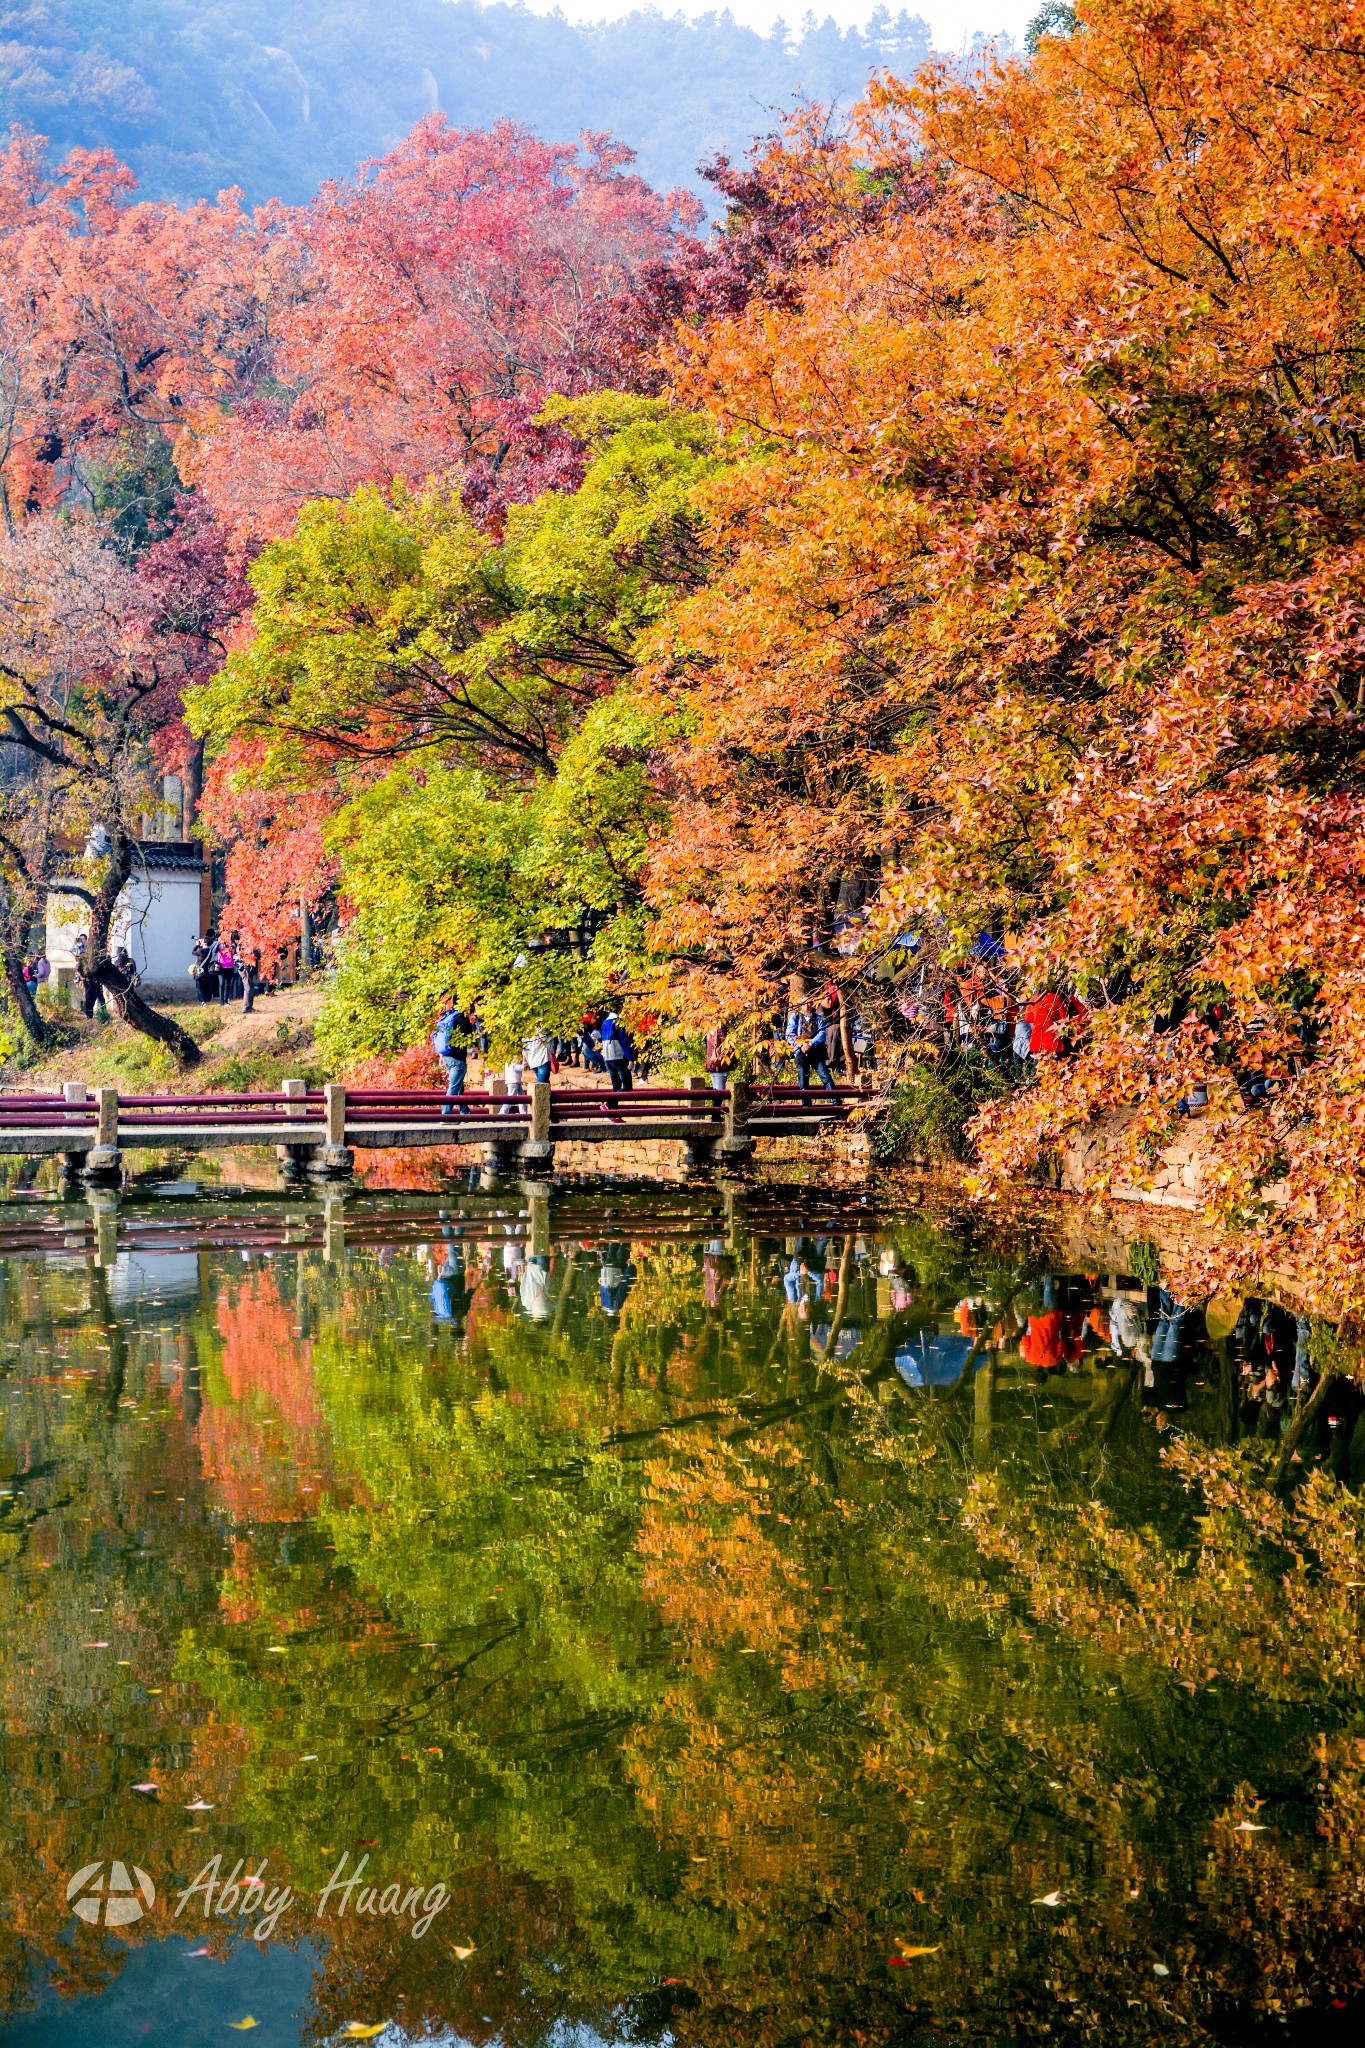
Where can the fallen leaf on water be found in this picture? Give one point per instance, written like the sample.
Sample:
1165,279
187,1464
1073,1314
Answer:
200,1952
358,2031
94,1646
1248,1827
309,1759
465,1953
675,1980
908,1954
277,1650
368,1842
200,1806
240,2026
1048,1899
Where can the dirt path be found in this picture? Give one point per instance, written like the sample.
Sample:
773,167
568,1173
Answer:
240,1053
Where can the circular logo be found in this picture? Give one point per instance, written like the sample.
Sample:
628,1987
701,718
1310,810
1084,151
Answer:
115,1902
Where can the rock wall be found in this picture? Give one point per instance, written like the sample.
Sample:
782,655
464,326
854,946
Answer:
1176,1177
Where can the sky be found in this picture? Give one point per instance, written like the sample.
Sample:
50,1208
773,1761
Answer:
952,23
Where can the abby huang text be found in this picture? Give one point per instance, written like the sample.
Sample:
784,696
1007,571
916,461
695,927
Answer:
252,1897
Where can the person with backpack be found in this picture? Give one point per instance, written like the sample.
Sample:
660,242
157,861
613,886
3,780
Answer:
616,1051
450,1043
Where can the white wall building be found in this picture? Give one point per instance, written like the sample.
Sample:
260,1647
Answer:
163,910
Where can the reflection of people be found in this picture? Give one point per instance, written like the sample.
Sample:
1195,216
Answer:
535,1287
716,1269
1128,1330
449,1290
1052,1340
614,1279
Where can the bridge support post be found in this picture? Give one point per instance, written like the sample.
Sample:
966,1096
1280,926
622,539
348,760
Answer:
498,1153
537,1153
73,1163
333,1231
333,1160
701,1150
104,1212
736,1148
104,1162
294,1158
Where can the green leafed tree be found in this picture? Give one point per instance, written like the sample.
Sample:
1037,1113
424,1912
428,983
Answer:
472,702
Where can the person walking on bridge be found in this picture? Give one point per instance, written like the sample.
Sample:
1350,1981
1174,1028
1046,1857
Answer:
616,1051
806,1036
717,1057
450,1043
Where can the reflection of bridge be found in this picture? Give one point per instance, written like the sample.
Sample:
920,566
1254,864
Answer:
317,1131
151,1242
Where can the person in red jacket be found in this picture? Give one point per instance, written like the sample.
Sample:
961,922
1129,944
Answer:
1047,1017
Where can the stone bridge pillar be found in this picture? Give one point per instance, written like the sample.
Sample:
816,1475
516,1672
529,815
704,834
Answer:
104,1161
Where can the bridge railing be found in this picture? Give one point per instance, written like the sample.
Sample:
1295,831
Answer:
308,1108
193,1112
43,1112
421,1105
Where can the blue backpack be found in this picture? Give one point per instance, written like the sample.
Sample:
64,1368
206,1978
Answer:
453,1023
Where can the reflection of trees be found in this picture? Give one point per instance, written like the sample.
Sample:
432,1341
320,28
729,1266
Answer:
94,1452
745,1661
261,1434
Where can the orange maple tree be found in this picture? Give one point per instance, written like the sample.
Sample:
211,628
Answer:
1038,592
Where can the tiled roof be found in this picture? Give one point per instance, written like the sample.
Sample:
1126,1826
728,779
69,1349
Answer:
162,855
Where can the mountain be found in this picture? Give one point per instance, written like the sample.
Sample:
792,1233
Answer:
276,95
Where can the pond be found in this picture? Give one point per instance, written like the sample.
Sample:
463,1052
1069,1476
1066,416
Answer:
660,1616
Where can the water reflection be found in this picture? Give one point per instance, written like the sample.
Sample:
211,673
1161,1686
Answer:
761,1624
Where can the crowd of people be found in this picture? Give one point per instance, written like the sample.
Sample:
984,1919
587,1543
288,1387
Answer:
983,1011
224,970
809,1044
601,1044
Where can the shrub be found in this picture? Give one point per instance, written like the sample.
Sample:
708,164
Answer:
931,1106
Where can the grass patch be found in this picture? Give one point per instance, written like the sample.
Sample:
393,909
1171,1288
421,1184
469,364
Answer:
264,1069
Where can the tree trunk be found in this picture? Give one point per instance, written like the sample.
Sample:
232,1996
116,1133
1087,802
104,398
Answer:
104,975
193,786
100,973
22,997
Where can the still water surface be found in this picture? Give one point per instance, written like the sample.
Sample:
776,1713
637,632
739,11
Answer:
696,1621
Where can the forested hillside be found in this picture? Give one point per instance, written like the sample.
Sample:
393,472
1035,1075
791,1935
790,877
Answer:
276,95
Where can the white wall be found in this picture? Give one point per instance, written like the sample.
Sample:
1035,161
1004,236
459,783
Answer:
157,919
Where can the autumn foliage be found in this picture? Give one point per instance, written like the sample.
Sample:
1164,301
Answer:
969,528
444,296
1037,589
